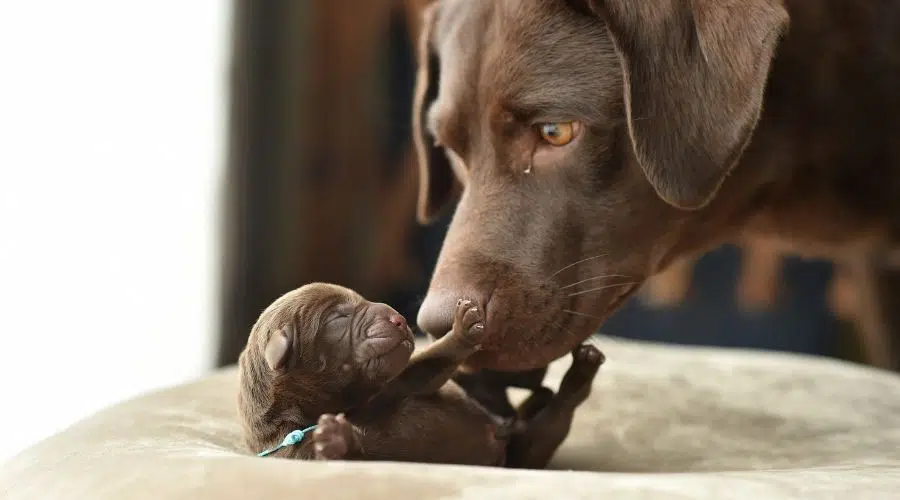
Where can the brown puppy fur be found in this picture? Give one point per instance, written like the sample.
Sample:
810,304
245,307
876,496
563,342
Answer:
323,354
696,123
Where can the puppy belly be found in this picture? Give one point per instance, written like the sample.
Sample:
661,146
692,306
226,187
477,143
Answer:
446,427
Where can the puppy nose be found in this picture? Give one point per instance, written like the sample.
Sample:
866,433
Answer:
438,309
397,320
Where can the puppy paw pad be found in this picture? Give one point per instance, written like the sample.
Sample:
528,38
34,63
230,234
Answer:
331,437
469,320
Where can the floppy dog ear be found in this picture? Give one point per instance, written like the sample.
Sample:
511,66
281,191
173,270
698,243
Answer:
278,347
438,185
695,73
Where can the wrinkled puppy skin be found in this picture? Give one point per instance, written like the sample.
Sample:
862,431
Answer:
324,355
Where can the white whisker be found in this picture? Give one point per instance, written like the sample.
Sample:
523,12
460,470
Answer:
582,261
583,292
576,313
596,278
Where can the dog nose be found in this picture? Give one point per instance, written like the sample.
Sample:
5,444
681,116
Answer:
436,314
397,320
438,309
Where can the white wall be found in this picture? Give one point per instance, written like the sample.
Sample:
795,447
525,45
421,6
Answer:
112,122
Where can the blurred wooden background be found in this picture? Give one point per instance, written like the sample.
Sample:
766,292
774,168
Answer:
315,190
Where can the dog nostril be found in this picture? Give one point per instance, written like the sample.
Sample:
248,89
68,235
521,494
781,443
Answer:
397,320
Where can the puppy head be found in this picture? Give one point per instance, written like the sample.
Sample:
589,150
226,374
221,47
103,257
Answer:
322,340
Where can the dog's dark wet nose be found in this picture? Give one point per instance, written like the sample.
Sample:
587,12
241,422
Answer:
438,309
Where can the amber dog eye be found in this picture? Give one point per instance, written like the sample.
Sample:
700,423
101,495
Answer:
558,134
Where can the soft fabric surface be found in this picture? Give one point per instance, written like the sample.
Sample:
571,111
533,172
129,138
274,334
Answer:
663,422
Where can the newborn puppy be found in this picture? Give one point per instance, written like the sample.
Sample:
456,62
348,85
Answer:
323,355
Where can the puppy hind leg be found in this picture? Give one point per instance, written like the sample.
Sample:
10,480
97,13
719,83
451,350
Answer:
551,416
577,382
535,403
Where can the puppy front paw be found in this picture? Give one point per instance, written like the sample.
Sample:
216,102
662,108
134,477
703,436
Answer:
468,323
332,438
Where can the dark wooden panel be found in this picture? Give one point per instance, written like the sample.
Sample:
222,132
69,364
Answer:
304,198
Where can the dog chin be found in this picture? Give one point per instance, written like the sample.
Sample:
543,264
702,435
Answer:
521,352
520,358
538,351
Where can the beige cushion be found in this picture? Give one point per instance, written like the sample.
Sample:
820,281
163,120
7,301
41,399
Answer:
731,424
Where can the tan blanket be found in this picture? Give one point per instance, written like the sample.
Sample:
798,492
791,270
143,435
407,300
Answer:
663,422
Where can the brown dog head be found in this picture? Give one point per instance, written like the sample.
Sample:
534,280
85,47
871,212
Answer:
583,141
315,350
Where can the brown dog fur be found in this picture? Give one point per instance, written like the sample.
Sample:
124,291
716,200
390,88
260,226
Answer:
702,122
324,355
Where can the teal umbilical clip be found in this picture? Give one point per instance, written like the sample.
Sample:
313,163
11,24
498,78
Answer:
289,440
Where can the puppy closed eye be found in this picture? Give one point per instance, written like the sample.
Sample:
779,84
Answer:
336,317
334,329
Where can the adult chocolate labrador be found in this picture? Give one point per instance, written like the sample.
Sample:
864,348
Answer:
591,143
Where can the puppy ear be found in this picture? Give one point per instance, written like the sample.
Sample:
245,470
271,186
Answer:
694,73
438,185
278,348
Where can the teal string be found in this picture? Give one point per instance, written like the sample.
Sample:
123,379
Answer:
289,440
